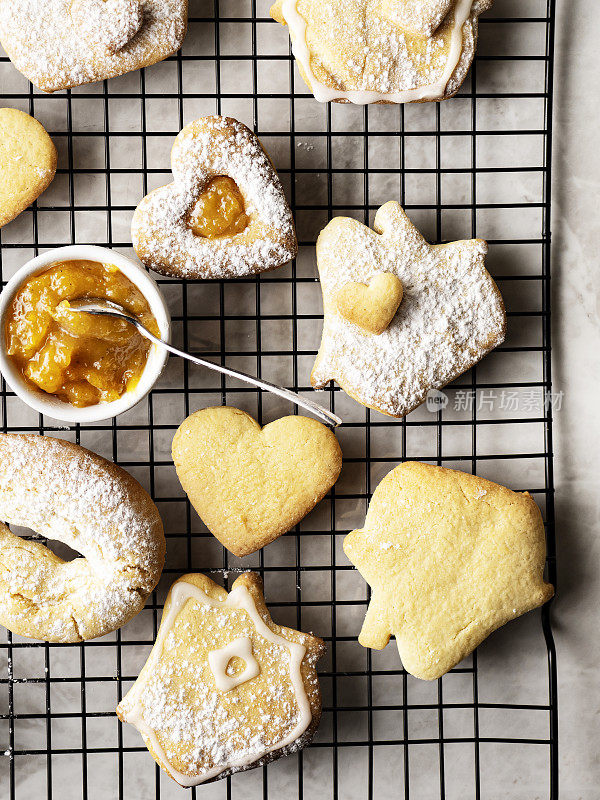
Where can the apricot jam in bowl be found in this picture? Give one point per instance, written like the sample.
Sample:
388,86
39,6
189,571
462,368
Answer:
73,366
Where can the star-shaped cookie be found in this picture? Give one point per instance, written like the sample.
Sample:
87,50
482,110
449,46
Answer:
224,689
450,557
450,316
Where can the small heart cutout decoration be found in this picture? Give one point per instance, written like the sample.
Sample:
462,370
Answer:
251,484
371,307
109,24
27,162
422,17
205,150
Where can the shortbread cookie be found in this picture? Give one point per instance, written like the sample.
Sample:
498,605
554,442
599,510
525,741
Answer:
251,484
62,491
225,214
450,316
224,689
57,44
27,162
382,51
450,557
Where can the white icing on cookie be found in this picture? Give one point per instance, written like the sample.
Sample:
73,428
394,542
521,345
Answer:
204,149
367,42
219,659
160,710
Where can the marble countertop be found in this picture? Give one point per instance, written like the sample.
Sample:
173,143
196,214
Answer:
576,341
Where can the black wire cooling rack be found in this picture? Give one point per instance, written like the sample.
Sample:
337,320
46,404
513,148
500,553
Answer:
476,165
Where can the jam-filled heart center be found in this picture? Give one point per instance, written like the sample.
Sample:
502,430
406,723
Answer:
219,211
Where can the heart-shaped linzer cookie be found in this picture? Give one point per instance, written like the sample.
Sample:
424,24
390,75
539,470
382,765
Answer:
108,24
225,214
371,307
27,162
251,484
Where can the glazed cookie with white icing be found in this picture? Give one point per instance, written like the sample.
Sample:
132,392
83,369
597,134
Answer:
382,51
224,689
401,316
225,214
58,44
66,493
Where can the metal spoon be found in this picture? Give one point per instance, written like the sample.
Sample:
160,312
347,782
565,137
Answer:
104,308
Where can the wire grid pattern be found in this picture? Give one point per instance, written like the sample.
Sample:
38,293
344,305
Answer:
477,165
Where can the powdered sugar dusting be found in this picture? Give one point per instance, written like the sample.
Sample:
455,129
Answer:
451,314
45,41
108,24
207,148
356,50
66,493
421,16
200,732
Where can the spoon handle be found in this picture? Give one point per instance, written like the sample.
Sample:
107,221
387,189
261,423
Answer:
321,413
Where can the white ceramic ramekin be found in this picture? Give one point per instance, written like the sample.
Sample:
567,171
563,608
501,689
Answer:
157,357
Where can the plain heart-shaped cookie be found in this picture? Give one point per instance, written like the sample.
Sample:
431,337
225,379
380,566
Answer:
166,233
251,484
27,162
371,307
108,24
